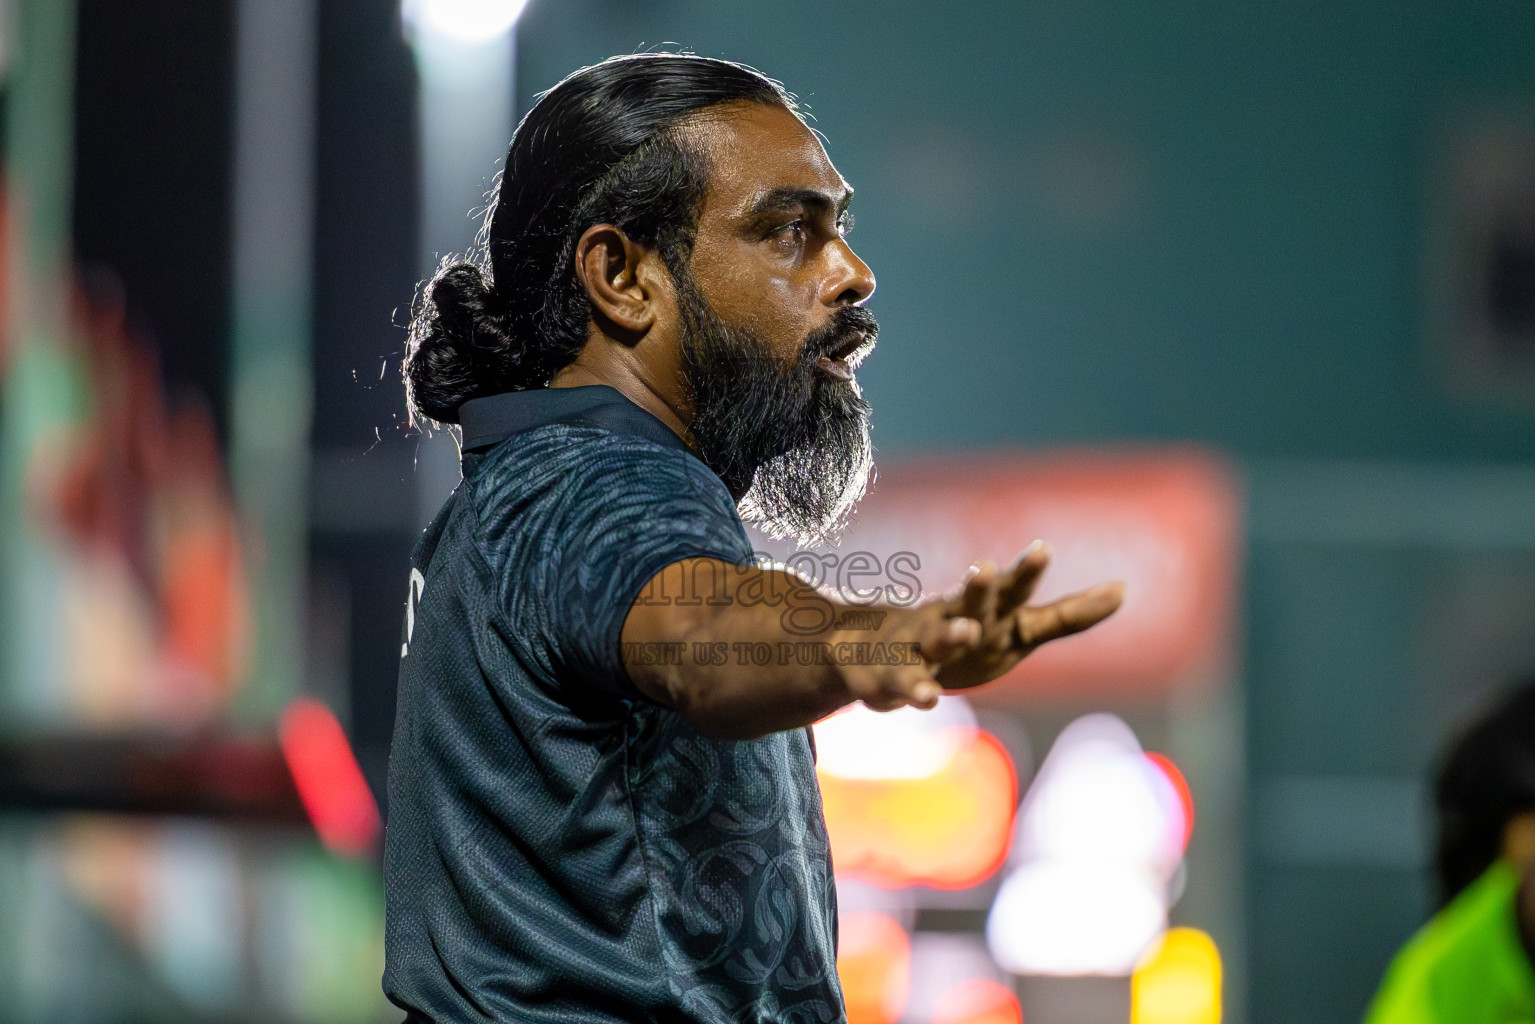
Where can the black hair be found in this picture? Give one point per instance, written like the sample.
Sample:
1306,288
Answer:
1486,780
602,146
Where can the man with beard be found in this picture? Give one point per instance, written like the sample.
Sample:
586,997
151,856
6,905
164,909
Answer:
598,811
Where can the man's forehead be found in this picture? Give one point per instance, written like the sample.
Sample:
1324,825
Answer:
759,151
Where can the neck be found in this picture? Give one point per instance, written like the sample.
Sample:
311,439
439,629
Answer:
629,381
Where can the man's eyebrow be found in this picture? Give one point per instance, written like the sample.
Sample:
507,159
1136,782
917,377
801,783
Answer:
790,197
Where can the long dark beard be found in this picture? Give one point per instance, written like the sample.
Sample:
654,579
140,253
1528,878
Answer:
791,444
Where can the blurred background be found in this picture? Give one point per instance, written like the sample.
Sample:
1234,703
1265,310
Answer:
1236,302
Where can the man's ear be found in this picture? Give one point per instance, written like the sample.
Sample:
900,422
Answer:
615,274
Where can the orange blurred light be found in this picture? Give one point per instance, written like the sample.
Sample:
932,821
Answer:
949,830
1178,981
979,1001
327,777
874,965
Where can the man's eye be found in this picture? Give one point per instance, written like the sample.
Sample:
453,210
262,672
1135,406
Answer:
791,232
845,224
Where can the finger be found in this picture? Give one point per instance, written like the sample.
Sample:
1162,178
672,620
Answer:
924,693
884,703
915,689
1071,614
954,600
918,690
979,600
946,637
1024,576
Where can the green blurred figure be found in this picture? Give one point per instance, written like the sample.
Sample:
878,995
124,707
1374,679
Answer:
1471,964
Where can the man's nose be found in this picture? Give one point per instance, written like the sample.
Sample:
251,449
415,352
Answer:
850,281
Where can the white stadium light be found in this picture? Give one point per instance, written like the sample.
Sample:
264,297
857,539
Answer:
857,743
463,21
1100,837
1064,918
1097,797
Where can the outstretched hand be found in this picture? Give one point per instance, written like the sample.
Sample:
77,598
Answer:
1009,629
979,632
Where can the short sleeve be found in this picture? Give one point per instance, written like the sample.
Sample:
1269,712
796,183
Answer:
578,544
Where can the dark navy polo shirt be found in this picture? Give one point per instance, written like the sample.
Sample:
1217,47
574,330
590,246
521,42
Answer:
559,849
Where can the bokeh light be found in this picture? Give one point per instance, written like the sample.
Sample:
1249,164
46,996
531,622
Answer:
1098,797
327,777
463,21
874,964
1066,918
979,1001
1165,765
1100,837
948,830
857,743
1178,981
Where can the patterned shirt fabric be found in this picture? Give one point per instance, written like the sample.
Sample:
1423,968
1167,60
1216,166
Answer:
560,850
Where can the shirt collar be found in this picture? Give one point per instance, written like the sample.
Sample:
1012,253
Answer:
490,420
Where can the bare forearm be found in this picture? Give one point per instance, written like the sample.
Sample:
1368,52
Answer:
766,682
760,650
758,656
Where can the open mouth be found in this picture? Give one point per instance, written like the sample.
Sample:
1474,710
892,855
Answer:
842,360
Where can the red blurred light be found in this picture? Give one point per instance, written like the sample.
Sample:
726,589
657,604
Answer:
1181,785
1166,521
327,777
979,1001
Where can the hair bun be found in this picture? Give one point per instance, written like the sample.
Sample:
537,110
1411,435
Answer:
460,345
